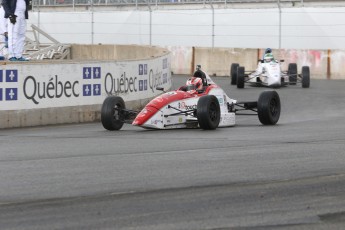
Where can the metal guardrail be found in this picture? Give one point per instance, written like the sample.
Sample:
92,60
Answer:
35,50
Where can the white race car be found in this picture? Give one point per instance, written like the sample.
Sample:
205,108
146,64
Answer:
270,75
187,107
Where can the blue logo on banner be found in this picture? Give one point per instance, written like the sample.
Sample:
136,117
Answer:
145,69
141,69
96,72
0,94
97,89
11,94
87,91
87,73
141,85
145,84
11,75
90,73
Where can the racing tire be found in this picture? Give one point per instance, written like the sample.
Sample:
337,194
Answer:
305,77
109,116
233,73
208,112
240,77
269,107
292,70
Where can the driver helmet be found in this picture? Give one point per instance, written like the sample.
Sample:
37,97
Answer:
194,83
268,58
268,50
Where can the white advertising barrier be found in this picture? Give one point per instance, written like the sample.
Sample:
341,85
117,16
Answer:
25,87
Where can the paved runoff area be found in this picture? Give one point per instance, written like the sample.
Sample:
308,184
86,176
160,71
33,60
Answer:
287,176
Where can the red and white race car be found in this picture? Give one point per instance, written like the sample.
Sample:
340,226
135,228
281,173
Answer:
204,106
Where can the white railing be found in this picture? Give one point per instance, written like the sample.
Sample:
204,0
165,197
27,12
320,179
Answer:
34,49
74,3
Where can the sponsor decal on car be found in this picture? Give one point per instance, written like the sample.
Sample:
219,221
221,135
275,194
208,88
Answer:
225,118
155,122
220,100
183,105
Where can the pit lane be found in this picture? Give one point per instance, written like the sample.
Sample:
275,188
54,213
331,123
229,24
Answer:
287,176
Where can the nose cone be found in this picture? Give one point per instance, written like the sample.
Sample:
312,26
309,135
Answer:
144,115
274,82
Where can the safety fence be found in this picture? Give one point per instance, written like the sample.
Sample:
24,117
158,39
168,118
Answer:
74,3
287,28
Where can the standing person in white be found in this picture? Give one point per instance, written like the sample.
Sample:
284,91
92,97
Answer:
3,33
17,12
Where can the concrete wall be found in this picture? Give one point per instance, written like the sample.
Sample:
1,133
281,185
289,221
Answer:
324,64
115,52
217,61
337,64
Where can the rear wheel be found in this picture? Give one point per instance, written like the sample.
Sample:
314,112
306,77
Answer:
292,72
240,77
208,112
269,107
233,73
305,77
111,113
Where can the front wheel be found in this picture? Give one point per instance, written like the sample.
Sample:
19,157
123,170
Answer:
233,73
240,77
208,112
111,113
292,72
269,107
305,77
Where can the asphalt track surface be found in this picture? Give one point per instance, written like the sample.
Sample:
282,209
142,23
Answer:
288,176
